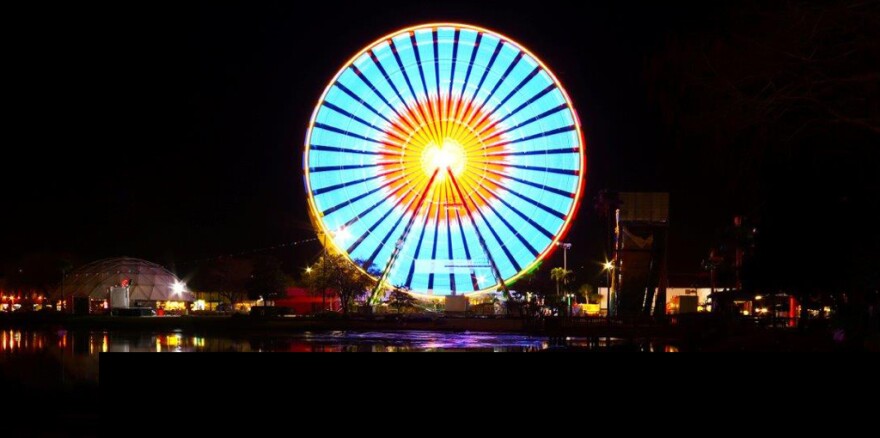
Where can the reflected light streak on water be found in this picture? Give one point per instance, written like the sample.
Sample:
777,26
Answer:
25,354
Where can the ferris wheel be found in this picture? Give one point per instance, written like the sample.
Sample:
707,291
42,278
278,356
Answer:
447,156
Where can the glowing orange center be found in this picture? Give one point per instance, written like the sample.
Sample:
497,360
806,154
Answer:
435,138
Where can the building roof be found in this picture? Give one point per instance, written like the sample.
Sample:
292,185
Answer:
148,281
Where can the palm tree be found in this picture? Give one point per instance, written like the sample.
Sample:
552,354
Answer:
558,275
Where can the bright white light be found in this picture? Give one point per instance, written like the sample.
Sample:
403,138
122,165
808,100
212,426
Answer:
178,287
342,234
481,279
609,266
448,155
309,270
443,158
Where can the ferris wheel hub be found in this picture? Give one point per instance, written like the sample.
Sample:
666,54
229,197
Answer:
450,154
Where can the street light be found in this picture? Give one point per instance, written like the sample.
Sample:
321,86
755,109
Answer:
609,267
565,247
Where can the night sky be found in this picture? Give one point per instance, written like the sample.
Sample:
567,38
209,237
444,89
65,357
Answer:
176,133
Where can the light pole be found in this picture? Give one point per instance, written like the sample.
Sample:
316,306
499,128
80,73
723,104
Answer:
609,267
565,247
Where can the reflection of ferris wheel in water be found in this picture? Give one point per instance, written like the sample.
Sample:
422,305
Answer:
446,155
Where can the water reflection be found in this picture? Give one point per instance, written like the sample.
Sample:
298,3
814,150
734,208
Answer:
40,357
93,342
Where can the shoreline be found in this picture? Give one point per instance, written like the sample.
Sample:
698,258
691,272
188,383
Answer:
696,333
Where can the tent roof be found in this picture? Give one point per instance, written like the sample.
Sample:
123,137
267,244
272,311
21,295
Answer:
149,281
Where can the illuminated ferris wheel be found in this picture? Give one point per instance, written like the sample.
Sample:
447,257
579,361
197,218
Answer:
447,156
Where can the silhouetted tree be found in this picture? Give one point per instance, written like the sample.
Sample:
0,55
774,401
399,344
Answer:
321,276
534,290
337,274
228,277
267,279
400,299
778,102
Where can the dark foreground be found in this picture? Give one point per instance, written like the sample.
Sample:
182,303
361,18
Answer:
57,357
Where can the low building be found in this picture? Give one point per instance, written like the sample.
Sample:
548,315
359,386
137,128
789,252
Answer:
87,288
302,301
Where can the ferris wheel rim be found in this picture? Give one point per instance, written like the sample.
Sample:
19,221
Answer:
572,210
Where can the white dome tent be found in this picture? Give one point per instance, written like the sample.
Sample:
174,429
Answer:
148,281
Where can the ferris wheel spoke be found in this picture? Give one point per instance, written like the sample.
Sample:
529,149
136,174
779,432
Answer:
561,130
431,117
477,108
504,76
467,76
533,184
363,195
461,103
525,123
373,227
356,218
378,93
436,63
345,150
375,59
449,253
402,240
569,150
480,238
519,108
504,245
418,108
343,167
434,247
535,203
512,93
510,227
455,38
522,215
488,225
348,114
411,272
415,46
352,134
366,105
467,250
335,187
544,169
487,70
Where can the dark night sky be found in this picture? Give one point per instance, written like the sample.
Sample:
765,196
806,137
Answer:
175,132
